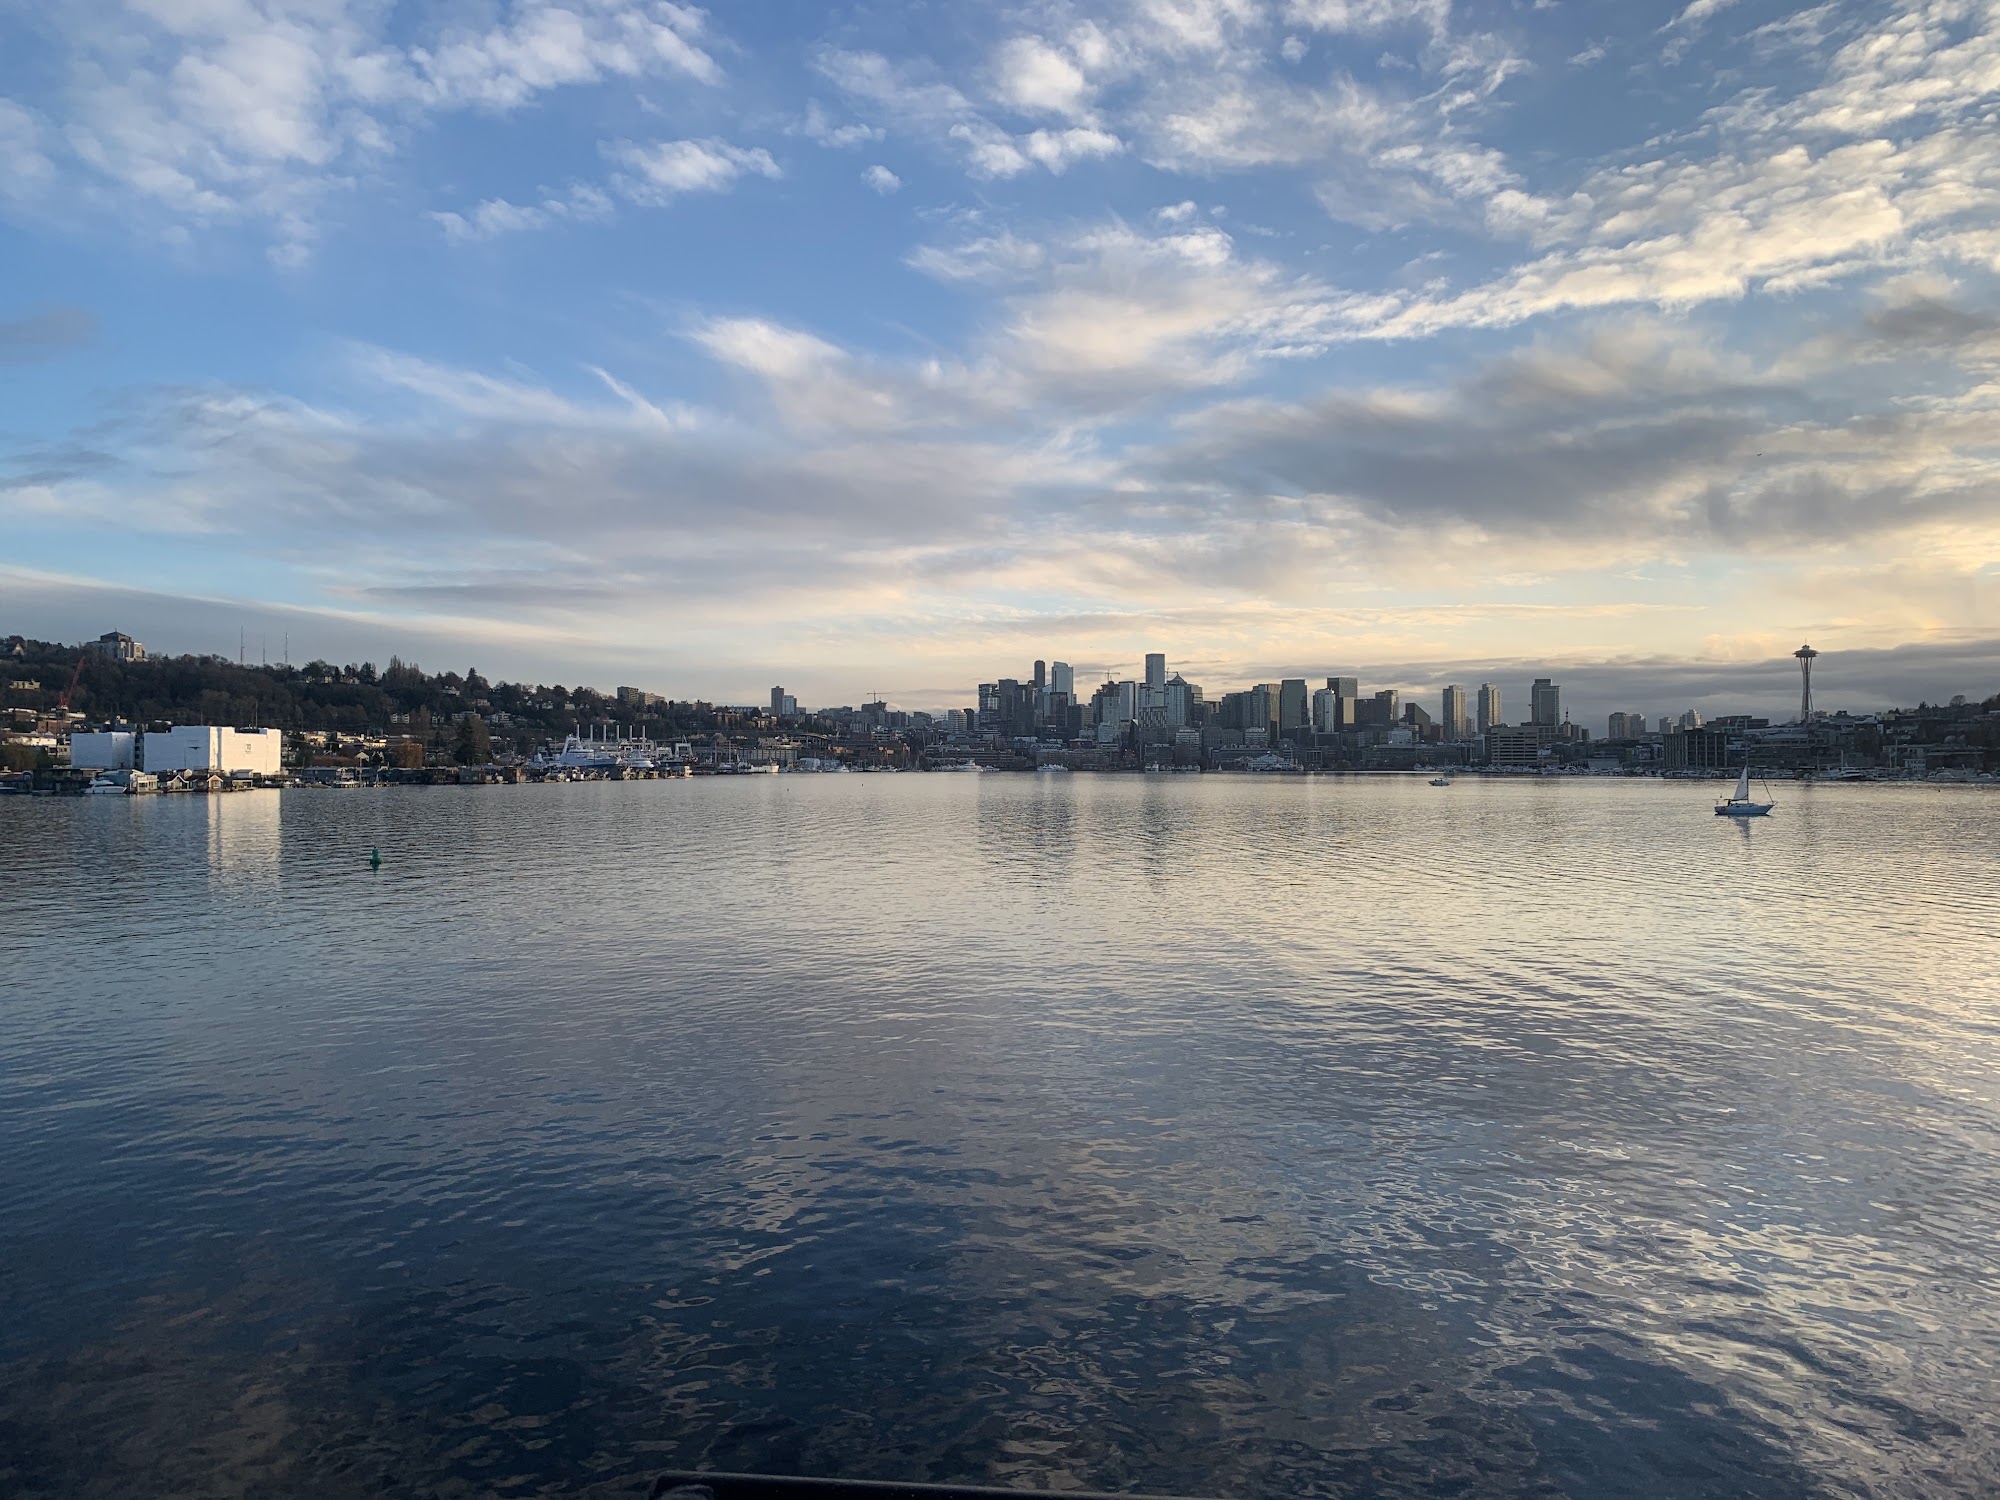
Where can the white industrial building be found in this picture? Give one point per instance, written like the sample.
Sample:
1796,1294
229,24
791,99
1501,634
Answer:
109,750
215,752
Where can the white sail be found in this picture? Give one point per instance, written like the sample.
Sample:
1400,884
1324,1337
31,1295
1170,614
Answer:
1742,786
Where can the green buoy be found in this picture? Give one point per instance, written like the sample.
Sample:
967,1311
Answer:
374,859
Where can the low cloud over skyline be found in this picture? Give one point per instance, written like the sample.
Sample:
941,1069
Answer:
1287,337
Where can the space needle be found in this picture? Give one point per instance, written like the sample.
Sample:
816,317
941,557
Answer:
1805,655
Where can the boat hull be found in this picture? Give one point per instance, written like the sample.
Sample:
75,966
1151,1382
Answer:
1750,810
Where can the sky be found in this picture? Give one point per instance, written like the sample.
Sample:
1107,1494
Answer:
884,348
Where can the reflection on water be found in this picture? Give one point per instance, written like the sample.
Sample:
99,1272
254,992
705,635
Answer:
1195,1134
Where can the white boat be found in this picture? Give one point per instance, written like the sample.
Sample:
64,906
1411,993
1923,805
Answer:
579,754
107,785
1440,781
1051,770
1740,804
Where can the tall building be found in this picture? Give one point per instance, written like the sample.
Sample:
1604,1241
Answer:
777,700
1293,705
1328,707
1260,707
1545,704
1388,707
1156,670
1691,719
1062,679
1347,709
1489,706
1041,677
1454,713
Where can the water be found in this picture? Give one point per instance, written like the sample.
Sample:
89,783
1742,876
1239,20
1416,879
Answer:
1191,1134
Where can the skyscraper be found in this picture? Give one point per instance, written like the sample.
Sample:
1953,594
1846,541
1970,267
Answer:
1489,707
1326,711
1545,704
1454,712
1293,705
1156,670
1041,676
1062,679
1347,706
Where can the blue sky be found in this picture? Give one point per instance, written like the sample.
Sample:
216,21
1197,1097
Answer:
890,346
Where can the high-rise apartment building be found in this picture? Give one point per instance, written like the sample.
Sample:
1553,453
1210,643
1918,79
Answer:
1326,711
1545,704
1454,713
1489,706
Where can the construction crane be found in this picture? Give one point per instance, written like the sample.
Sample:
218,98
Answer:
62,702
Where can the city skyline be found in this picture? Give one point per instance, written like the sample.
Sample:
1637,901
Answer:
865,344
1765,693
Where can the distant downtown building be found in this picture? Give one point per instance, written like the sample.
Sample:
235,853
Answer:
1489,707
1545,704
1454,713
1294,708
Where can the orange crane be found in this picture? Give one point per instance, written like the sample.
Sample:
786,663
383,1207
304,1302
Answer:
62,702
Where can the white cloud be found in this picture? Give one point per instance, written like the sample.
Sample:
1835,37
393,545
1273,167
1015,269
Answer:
254,110
1363,16
927,107
1034,77
493,217
1698,12
1057,149
25,171
663,170
550,45
881,179
817,127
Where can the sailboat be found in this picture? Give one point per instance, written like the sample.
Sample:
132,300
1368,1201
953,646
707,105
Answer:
1740,804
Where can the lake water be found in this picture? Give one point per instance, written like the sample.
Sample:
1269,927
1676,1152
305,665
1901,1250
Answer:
1203,1135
